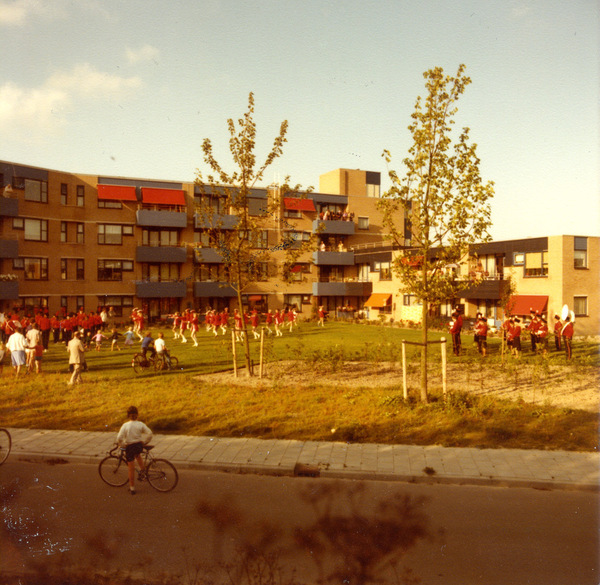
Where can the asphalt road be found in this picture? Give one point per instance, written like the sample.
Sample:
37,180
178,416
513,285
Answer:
64,514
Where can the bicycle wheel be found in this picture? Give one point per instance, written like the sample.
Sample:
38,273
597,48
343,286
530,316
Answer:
114,471
174,363
162,475
5,445
159,364
139,364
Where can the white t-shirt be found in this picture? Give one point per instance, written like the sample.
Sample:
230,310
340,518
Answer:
159,345
134,431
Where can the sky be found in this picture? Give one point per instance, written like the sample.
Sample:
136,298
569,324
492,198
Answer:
131,89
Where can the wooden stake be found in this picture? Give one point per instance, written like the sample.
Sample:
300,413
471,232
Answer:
444,366
404,369
234,354
262,347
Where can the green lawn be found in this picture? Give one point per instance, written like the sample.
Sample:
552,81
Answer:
181,402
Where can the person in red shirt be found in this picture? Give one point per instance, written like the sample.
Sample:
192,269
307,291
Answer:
557,332
541,335
567,336
481,330
455,328
514,337
194,326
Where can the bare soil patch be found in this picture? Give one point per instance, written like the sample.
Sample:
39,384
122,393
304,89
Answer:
564,387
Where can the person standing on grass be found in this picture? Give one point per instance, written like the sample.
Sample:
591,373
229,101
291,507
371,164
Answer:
514,337
17,344
132,437
321,317
33,338
455,327
567,336
114,340
481,331
129,335
98,337
557,332
76,357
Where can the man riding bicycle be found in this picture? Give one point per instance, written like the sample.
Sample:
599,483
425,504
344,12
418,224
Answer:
148,344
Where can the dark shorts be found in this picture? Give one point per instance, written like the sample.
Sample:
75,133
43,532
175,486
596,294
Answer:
133,450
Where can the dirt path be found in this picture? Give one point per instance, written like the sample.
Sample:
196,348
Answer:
577,388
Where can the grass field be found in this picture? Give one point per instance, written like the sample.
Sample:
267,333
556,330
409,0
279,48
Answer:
183,402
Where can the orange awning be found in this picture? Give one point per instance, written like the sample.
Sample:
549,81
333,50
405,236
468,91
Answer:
299,204
378,300
116,192
163,196
524,304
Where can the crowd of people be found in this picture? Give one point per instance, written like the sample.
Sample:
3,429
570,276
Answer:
512,330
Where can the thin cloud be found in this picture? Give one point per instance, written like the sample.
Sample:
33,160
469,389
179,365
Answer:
145,53
44,108
18,11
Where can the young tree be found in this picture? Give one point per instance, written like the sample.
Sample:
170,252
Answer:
442,192
237,229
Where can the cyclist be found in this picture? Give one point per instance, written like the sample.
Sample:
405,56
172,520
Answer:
132,436
148,344
161,349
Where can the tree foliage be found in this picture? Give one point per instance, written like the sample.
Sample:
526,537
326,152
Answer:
237,225
440,198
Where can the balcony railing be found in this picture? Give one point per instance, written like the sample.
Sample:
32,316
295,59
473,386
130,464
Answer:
161,218
151,289
161,254
321,258
329,226
9,249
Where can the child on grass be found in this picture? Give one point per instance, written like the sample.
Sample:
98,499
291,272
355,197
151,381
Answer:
132,436
114,339
129,335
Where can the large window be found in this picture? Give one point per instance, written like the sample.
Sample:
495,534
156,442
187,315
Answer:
109,204
161,272
113,269
36,268
385,271
363,223
580,252
212,273
118,303
536,264
157,238
580,307
110,234
36,230
71,231
36,191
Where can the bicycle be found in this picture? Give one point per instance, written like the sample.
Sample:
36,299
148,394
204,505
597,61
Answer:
140,364
165,361
5,445
160,473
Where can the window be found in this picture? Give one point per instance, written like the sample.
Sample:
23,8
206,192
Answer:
18,183
161,272
536,264
580,306
292,213
385,271
157,238
64,194
118,303
80,269
293,301
63,231
36,230
31,303
110,234
64,269
363,223
109,204
75,229
408,300
18,223
580,252
128,230
260,239
518,259
36,268
363,272
18,264
80,233
36,191
372,190
212,273
260,271
113,269
80,195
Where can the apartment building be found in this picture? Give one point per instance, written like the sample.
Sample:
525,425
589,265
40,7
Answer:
547,273
72,240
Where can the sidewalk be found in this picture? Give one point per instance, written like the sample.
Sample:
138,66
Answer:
407,463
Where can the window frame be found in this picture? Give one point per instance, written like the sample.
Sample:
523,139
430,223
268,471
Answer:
43,267
577,300
102,234
43,229
41,196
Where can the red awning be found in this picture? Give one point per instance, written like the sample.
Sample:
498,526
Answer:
163,196
524,304
299,204
255,298
116,192
378,300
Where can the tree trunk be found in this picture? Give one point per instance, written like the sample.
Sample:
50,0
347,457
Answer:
424,329
245,340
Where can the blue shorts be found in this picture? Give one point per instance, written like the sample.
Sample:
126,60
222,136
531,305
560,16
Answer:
133,450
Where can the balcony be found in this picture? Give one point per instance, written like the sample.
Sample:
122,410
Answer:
342,289
216,221
207,256
9,207
213,289
9,249
9,290
333,258
162,290
491,289
161,254
156,218
330,226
